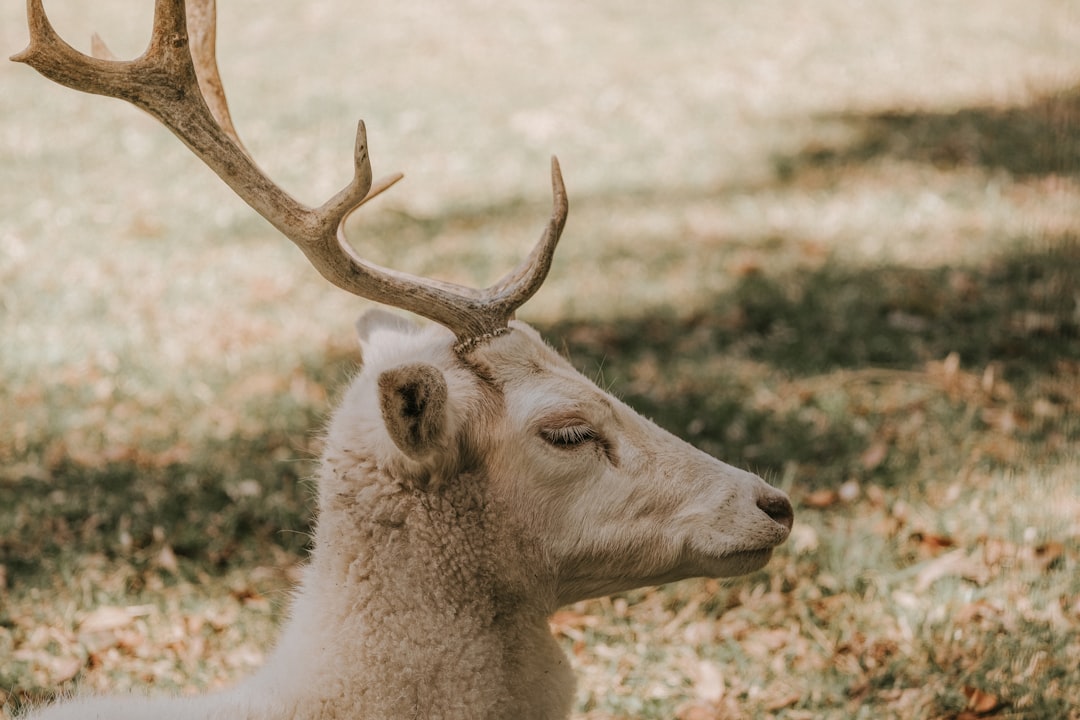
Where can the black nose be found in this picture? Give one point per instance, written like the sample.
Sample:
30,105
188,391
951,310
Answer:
778,507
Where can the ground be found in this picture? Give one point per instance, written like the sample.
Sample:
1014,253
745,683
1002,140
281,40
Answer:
838,245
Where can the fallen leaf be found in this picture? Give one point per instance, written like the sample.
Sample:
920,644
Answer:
953,564
782,701
696,712
572,623
105,619
979,701
64,669
977,611
996,551
1044,556
821,499
874,455
932,543
875,495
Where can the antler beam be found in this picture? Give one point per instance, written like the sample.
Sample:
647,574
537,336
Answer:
176,80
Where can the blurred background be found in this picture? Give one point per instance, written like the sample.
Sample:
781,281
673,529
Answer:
835,243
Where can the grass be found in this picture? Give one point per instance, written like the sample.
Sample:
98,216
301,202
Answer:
839,248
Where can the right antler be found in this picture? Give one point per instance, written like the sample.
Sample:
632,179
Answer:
176,80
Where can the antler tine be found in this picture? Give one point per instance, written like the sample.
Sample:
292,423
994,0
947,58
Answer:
523,282
202,28
177,81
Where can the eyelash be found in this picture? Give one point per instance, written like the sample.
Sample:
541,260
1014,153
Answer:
569,436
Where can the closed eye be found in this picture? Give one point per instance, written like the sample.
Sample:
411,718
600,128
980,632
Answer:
569,436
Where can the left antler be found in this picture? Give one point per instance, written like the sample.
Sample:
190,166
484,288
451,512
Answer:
176,80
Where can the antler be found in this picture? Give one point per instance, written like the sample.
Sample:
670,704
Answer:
176,80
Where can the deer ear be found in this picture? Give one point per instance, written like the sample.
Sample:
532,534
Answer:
376,321
413,402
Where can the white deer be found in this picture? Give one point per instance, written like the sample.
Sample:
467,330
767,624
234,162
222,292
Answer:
472,481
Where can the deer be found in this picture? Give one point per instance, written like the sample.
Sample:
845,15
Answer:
471,481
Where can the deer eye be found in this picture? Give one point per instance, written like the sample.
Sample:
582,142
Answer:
568,436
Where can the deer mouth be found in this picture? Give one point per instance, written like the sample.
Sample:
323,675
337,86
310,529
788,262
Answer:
718,557
748,561
736,563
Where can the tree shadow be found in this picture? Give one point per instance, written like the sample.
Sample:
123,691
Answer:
1038,139
222,503
1014,319
1020,310
205,509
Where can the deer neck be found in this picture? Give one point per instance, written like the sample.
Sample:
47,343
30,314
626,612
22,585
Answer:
405,612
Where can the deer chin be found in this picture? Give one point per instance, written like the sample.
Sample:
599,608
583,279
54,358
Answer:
715,555
576,588
719,561
735,564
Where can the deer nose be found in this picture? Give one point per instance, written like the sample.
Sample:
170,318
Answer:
778,507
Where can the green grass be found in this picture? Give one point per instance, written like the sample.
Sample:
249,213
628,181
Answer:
840,248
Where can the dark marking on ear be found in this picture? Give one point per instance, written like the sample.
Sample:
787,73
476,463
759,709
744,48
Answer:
413,402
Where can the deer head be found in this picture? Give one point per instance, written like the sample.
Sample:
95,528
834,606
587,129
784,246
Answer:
607,500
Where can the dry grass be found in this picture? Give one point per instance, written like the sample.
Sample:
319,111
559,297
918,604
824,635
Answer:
839,246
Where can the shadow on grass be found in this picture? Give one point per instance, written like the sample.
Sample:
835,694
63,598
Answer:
1020,310
208,510
1039,139
1015,318
229,503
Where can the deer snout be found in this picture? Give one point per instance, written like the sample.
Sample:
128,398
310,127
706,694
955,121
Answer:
776,505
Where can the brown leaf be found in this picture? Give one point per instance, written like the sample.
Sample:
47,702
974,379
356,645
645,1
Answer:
980,702
821,499
874,455
783,700
952,564
105,619
932,543
64,668
571,623
977,611
696,712
996,551
1045,555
